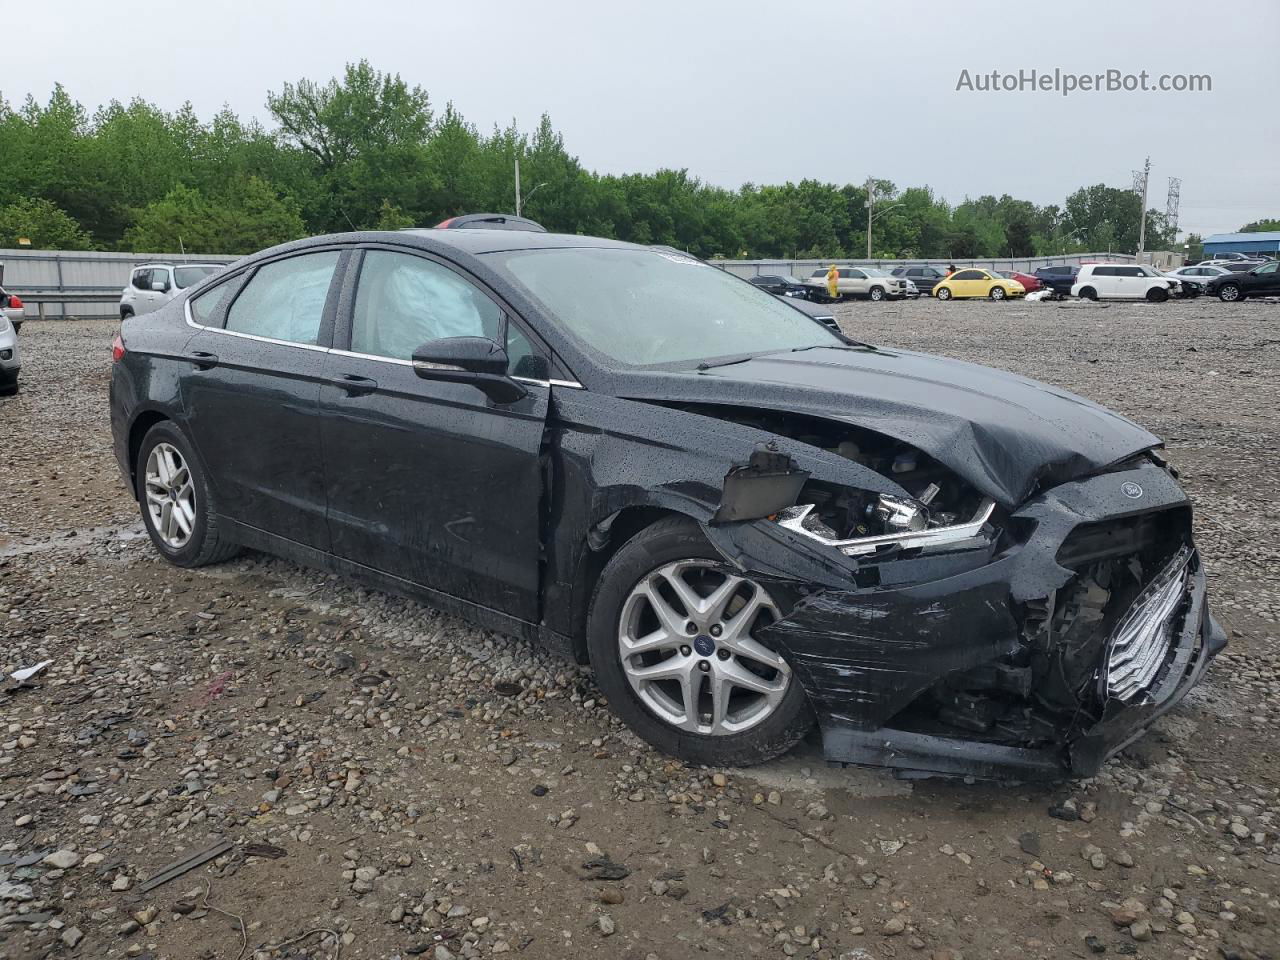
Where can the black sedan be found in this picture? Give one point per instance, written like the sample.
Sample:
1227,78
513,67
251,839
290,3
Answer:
782,286
746,522
1263,281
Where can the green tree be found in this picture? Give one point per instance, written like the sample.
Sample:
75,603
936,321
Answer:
1261,226
250,218
43,223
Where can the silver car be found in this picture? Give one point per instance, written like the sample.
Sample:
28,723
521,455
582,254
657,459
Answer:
10,357
152,285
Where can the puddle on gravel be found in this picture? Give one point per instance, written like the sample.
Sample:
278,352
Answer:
72,540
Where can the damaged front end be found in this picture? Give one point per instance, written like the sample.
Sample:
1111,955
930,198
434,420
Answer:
939,633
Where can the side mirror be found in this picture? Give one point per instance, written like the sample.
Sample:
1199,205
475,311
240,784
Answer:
160,286
478,361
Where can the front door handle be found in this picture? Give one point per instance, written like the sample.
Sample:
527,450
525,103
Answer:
203,361
355,386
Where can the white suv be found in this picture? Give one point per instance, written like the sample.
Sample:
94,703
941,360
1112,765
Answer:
1122,281
152,285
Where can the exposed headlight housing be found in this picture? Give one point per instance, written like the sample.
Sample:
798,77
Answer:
800,519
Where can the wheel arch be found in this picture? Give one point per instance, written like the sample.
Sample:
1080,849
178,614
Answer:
604,540
142,423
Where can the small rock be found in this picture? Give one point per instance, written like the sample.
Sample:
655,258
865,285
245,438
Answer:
61,859
72,936
1140,931
893,926
606,925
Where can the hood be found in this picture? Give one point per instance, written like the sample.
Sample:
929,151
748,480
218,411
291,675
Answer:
1004,434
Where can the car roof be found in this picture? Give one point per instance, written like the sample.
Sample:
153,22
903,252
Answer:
492,241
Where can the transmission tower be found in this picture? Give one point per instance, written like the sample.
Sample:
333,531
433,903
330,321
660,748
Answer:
1140,178
1171,206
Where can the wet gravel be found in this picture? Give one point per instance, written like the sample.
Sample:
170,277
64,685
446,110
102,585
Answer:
390,782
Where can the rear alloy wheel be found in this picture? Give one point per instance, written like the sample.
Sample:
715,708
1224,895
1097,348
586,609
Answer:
1088,293
944,293
675,641
997,293
1229,293
877,294
177,502
1157,295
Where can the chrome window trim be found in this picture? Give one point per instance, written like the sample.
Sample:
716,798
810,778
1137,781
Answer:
186,309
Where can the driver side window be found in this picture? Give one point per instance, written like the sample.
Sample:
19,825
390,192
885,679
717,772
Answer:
403,301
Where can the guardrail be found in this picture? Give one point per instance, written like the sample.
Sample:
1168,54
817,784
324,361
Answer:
41,298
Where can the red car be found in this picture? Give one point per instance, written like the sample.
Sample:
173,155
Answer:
1029,283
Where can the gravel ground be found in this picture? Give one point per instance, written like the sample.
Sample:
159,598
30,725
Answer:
392,782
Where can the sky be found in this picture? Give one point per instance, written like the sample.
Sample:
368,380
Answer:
741,91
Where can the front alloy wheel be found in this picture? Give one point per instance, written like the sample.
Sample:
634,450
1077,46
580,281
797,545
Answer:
944,293
678,642
997,293
1229,293
171,497
688,649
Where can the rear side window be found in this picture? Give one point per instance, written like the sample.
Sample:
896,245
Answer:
969,275
285,299
404,301
204,308
142,279
1104,271
189,276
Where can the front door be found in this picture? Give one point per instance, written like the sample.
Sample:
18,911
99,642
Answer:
1265,280
432,482
252,394
969,283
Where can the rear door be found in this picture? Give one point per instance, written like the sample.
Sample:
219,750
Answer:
433,482
252,392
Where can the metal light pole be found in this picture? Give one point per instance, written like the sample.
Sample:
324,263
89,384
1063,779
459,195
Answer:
517,186
871,202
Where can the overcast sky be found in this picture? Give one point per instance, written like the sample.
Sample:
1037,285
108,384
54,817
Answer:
740,91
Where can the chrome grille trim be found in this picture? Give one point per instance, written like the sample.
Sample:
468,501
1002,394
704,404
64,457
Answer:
1141,642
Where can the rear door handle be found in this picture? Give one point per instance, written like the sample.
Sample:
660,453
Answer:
355,386
203,361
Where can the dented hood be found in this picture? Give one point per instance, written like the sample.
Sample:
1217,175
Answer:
1003,433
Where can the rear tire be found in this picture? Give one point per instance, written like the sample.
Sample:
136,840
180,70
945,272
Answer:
8,387
201,544
1088,293
125,313
784,717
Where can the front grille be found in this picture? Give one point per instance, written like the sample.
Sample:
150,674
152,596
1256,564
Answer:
1141,642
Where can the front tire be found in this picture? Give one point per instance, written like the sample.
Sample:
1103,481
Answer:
672,640
997,293
1229,292
1157,295
177,503
944,293
877,294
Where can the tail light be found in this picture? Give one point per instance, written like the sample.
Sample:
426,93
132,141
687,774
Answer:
15,301
117,349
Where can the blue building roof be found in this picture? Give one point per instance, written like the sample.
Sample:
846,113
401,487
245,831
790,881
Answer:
1267,236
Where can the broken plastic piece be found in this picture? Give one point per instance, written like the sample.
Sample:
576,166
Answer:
769,482
26,673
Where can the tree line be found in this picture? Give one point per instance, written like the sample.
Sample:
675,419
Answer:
366,150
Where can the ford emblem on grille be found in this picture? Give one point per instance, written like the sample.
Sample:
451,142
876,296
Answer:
1131,490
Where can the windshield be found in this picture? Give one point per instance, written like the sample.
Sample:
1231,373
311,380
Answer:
651,308
186,276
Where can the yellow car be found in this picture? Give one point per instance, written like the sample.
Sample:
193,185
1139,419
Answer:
973,282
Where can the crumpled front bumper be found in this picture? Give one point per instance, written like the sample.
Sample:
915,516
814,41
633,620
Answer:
864,655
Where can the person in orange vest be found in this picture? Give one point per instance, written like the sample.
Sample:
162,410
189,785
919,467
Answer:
951,268
833,282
